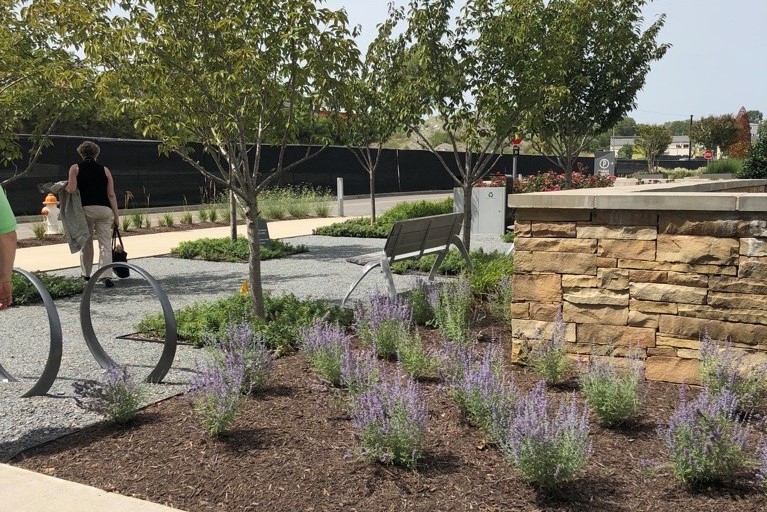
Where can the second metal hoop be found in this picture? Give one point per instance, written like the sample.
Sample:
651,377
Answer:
169,348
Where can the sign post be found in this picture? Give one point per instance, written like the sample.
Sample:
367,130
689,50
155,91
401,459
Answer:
604,163
515,142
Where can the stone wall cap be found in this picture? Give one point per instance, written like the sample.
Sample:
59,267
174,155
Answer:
709,196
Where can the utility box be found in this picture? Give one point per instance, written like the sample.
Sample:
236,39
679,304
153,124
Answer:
488,209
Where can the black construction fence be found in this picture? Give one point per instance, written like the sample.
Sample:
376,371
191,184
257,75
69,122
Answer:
156,180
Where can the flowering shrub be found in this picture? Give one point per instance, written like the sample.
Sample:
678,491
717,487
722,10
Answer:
551,181
762,474
454,360
249,349
391,421
359,372
216,392
452,310
325,345
547,449
382,321
485,395
704,438
414,359
721,369
549,357
117,398
614,396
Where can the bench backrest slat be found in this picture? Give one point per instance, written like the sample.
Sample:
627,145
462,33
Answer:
422,234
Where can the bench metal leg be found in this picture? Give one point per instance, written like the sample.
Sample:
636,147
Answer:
389,277
456,240
370,266
437,263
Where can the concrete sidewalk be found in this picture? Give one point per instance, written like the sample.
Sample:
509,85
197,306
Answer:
26,491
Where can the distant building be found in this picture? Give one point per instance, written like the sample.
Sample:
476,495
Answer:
680,144
754,132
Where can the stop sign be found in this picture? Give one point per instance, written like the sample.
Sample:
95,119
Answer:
707,155
516,141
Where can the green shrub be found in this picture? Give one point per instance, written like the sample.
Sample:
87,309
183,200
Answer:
186,218
414,358
39,229
202,213
168,218
755,165
118,398
285,315
726,166
226,249
361,228
549,358
614,396
147,222
125,224
452,310
508,237
489,268
58,287
137,220
500,299
723,370
418,297
213,213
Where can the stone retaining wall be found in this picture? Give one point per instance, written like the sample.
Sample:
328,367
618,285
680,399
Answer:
641,280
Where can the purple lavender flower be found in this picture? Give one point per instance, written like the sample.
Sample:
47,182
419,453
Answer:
391,421
704,438
118,398
242,346
722,369
359,372
762,473
325,345
486,396
547,450
216,391
452,310
383,321
614,396
549,357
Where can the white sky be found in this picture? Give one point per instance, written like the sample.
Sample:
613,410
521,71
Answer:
718,61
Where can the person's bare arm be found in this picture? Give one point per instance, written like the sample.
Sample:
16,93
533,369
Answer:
111,195
72,180
7,256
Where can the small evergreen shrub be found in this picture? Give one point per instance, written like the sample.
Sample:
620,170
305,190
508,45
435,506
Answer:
202,213
390,421
39,229
325,346
418,297
414,359
615,397
125,224
549,358
755,165
361,228
137,220
118,398
705,441
547,449
213,213
186,218
226,249
58,287
727,166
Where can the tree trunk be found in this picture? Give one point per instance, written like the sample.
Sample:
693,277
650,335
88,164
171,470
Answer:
232,215
467,190
254,263
372,196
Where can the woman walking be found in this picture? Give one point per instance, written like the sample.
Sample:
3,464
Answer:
97,194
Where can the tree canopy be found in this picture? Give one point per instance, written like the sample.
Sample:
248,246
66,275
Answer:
714,131
217,79
590,58
653,140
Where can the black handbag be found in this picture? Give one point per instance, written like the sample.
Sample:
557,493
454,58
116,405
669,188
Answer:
119,255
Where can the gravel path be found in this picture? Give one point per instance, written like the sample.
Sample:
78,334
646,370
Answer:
25,422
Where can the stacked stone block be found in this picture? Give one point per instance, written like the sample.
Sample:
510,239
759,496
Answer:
644,283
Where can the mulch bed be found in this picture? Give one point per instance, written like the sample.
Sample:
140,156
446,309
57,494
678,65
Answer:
59,239
293,448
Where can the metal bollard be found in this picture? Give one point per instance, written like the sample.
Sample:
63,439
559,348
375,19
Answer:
340,188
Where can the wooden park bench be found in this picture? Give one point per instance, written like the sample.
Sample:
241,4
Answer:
411,239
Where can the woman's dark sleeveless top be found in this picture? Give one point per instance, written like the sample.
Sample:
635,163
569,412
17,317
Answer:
92,183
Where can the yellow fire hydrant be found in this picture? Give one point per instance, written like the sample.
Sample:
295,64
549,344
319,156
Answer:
51,213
